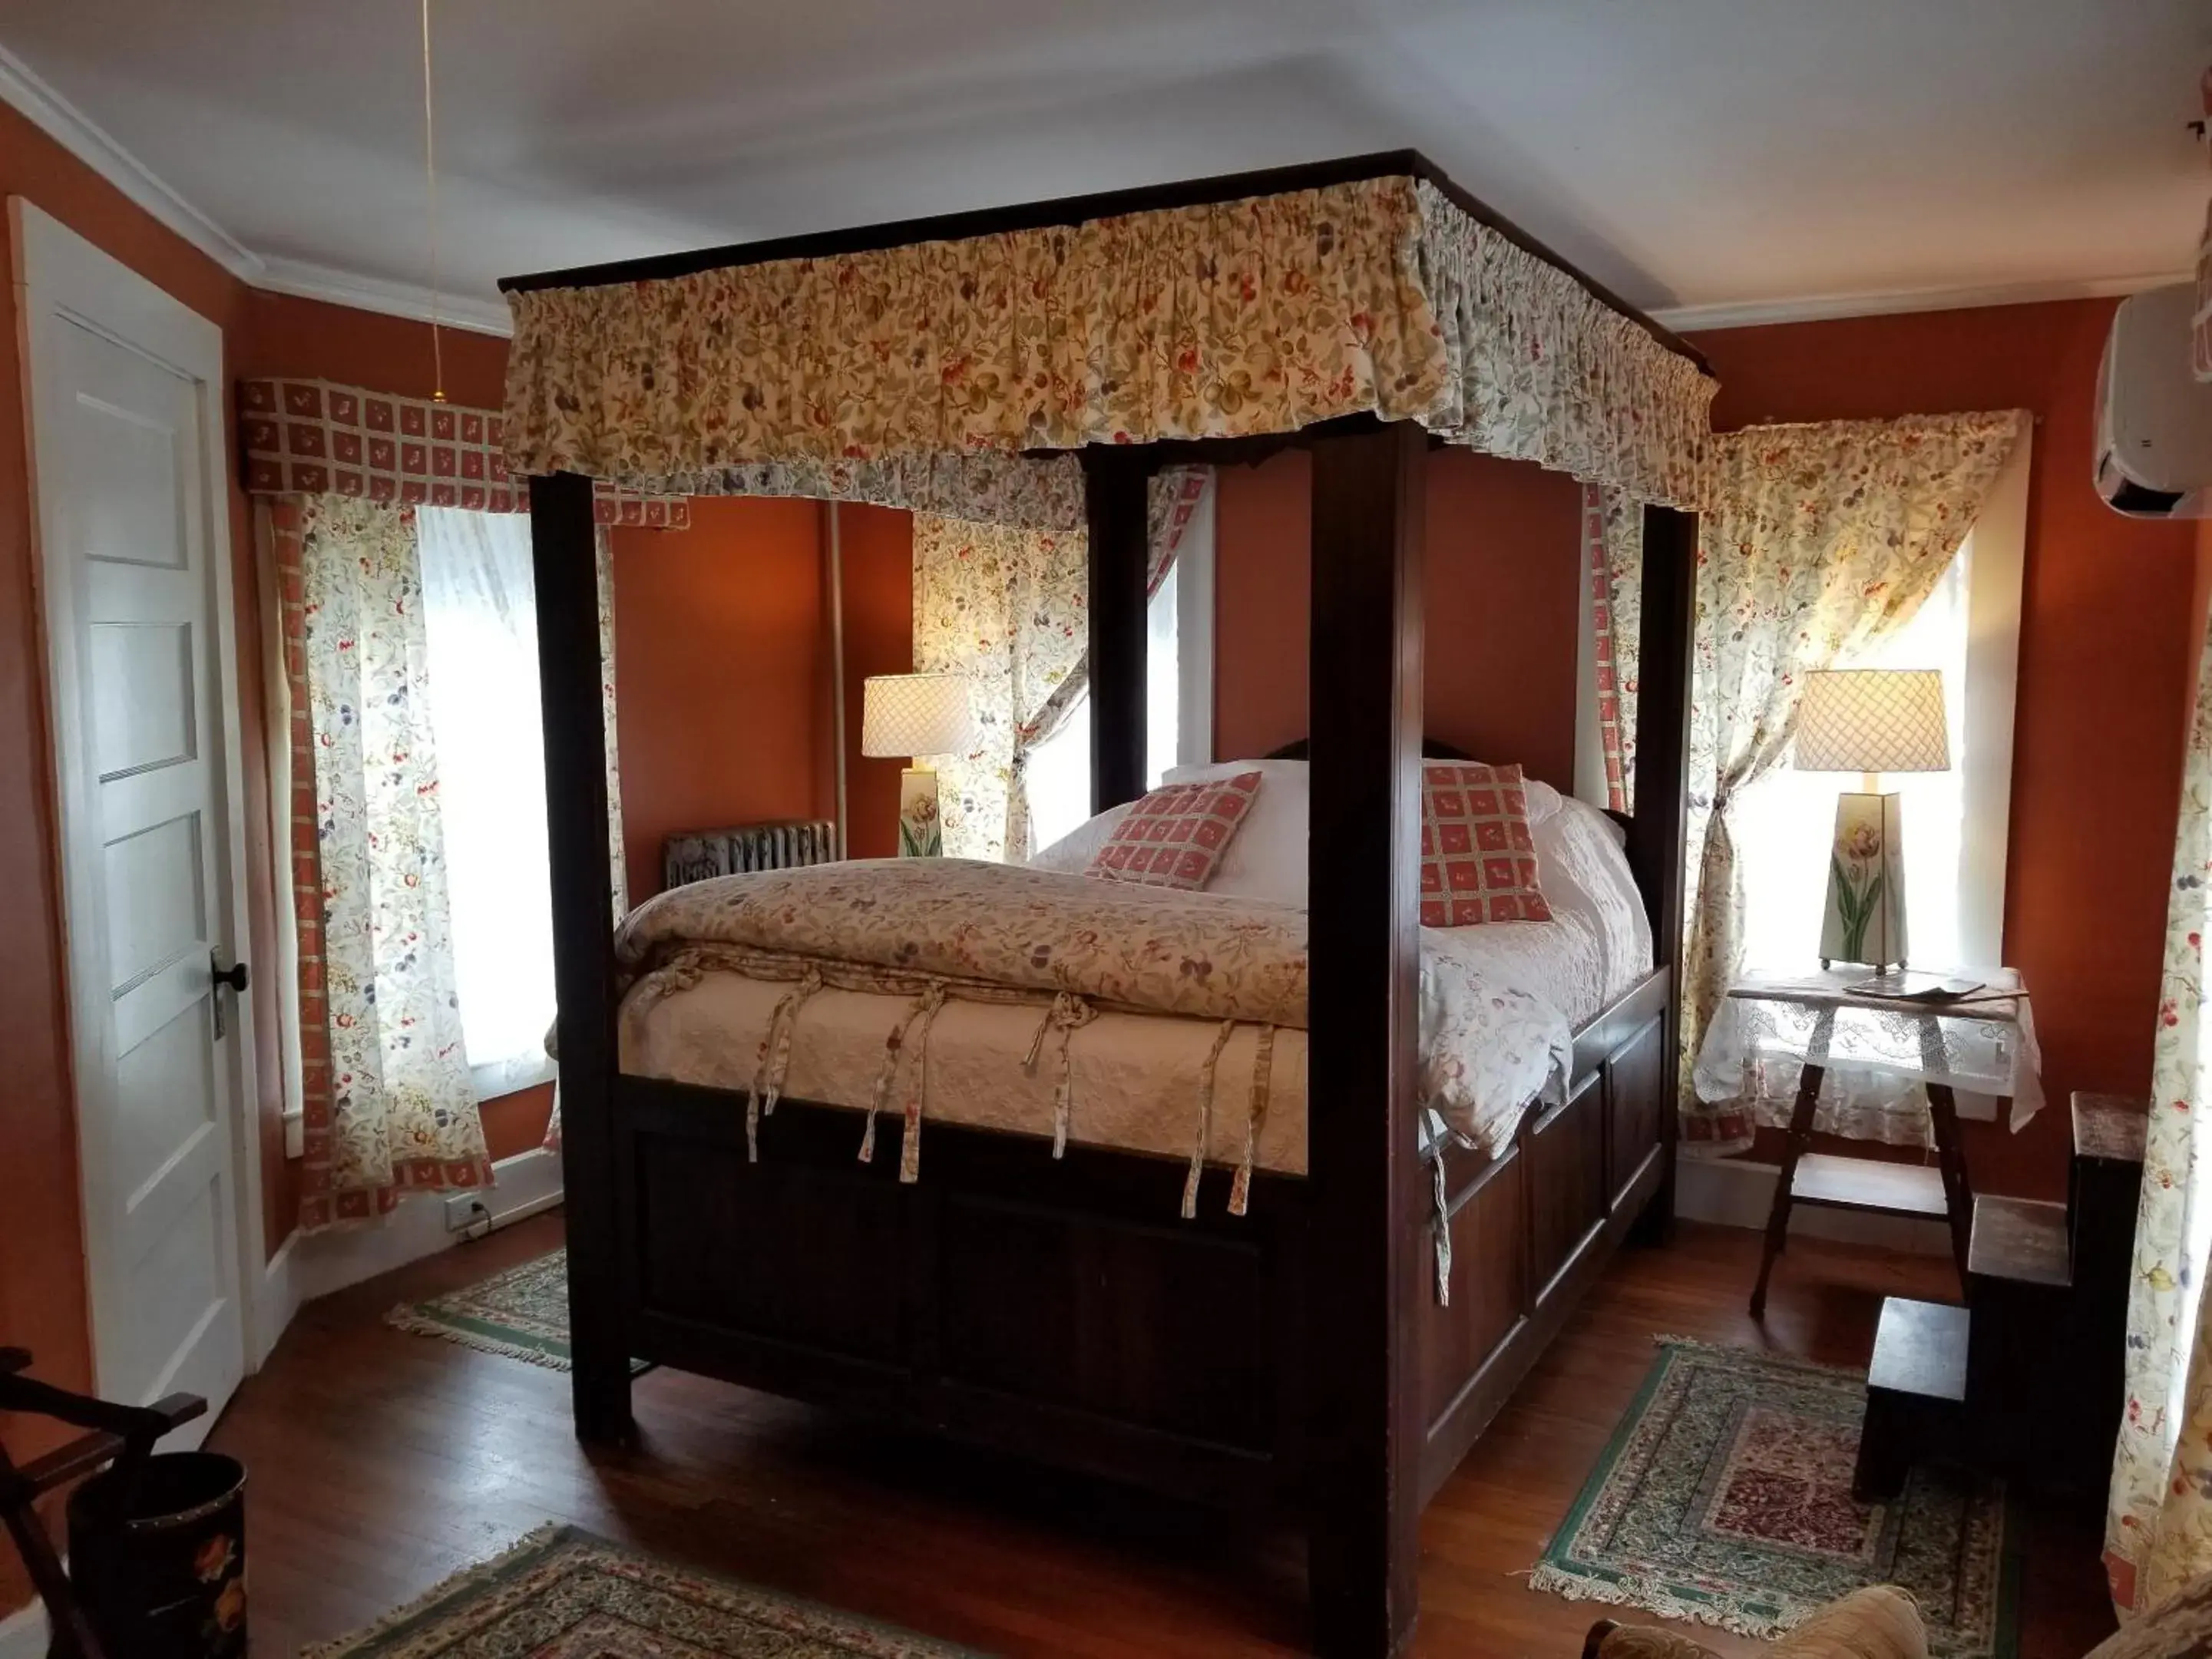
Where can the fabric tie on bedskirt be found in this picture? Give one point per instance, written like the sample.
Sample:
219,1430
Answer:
1067,1015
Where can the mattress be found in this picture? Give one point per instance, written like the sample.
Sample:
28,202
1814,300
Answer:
1135,1081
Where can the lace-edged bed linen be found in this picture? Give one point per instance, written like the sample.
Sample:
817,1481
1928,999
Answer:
1877,1059
921,940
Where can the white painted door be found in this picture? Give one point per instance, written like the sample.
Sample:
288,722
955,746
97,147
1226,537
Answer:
134,552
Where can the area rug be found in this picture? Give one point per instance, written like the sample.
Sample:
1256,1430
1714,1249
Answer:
561,1594
1725,1498
522,1313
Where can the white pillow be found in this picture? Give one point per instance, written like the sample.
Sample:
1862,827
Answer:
1267,858
1072,852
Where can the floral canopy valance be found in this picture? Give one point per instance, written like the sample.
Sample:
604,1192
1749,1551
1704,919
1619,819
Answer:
300,437
917,374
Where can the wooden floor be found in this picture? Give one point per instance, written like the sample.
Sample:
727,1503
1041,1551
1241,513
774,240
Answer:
381,1462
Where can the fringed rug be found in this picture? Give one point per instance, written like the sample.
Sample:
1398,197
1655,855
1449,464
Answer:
522,1313
1725,1498
561,1594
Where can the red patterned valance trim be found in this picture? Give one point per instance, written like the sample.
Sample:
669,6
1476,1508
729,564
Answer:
316,438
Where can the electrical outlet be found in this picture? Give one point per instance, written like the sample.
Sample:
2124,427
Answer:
466,1210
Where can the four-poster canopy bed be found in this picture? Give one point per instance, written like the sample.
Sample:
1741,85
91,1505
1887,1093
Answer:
1038,364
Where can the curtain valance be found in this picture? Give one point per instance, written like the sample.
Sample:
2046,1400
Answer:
300,437
1219,320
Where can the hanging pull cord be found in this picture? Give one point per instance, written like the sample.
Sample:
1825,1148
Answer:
1443,1222
888,1075
918,1077
1255,1119
1205,1119
1068,1014
775,1060
430,191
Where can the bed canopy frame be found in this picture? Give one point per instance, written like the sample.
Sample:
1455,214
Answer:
1366,310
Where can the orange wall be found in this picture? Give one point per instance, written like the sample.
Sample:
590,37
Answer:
879,558
2108,614
287,335
721,656
1502,591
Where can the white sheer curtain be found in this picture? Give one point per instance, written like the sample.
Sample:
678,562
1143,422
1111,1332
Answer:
480,609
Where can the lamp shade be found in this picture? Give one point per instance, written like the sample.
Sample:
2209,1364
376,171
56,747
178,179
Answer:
915,714
1873,720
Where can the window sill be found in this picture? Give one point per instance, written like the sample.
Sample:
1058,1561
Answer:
495,1079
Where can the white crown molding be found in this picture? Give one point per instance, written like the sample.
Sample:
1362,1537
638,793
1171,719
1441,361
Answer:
77,132
22,89
1828,308
381,294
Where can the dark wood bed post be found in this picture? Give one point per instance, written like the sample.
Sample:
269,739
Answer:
1658,833
1363,1173
1115,478
564,566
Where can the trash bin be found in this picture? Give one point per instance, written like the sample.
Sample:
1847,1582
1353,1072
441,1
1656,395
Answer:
164,1578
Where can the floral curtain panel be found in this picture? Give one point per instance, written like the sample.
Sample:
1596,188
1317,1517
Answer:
1613,548
2158,1526
617,863
387,1098
1219,320
1009,609
1822,539
388,1103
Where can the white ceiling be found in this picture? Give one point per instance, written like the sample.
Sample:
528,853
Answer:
1689,153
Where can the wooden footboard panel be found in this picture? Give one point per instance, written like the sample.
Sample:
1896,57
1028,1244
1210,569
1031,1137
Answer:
1532,1230
1057,1310
1061,1311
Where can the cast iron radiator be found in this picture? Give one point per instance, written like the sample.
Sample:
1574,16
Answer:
696,855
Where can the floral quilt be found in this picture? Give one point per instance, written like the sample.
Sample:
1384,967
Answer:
1488,1047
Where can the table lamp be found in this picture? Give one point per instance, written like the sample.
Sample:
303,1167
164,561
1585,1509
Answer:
915,715
1869,720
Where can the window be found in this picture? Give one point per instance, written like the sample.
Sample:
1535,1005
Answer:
1956,821
480,613
1178,692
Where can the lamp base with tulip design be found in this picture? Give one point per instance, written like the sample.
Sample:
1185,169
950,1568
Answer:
921,831
1864,922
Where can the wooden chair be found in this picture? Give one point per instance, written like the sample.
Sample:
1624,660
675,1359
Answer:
122,1435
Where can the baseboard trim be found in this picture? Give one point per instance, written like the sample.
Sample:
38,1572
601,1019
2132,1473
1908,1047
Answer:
1733,1192
23,1633
524,1185
277,1300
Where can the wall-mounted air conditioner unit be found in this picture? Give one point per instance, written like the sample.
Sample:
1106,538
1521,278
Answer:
2153,415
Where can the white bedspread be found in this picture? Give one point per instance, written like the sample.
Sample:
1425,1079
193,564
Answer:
1499,1004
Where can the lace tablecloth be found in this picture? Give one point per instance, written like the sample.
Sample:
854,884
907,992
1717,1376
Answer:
1877,1054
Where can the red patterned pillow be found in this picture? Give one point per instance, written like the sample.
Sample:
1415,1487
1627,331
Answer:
1175,836
1477,862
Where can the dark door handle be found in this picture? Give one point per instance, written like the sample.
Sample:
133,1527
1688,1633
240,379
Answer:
234,976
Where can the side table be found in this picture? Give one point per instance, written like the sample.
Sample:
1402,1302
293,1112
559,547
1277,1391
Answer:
1983,1041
